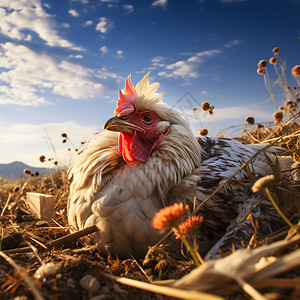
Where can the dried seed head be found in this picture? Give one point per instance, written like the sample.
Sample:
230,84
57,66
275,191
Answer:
64,141
37,174
293,109
296,70
205,106
194,109
203,132
26,172
64,135
297,94
278,115
281,108
259,126
250,120
294,88
262,183
16,189
262,64
273,60
297,100
51,191
42,158
260,71
56,163
276,49
289,103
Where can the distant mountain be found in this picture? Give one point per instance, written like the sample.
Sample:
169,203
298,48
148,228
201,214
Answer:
16,168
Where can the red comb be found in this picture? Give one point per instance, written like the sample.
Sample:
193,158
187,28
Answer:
125,104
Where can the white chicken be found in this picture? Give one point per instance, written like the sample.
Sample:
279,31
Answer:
149,158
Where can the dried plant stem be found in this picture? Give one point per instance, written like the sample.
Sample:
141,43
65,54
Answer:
278,209
36,293
60,241
251,291
142,270
165,290
290,283
269,87
284,283
254,138
5,206
282,137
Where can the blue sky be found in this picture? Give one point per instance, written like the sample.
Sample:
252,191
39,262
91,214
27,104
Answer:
62,63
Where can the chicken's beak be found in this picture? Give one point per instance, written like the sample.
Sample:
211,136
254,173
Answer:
120,125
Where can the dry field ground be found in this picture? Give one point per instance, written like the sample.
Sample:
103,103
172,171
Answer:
40,259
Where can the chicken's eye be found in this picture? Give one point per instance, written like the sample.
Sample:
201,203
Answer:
147,118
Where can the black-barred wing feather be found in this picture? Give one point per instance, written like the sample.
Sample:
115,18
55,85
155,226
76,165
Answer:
227,212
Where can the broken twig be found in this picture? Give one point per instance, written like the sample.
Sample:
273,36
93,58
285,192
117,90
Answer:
58,242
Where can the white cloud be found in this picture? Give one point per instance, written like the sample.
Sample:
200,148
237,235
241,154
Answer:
104,49
65,25
27,74
104,25
19,16
162,3
26,142
119,53
158,61
73,13
129,8
232,43
88,23
187,68
78,56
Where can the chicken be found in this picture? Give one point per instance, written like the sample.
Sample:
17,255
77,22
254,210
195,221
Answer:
149,158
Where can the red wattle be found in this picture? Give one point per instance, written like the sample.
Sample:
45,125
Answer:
125,146
135,147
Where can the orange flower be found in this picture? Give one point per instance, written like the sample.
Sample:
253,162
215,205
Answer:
169,216
189,224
